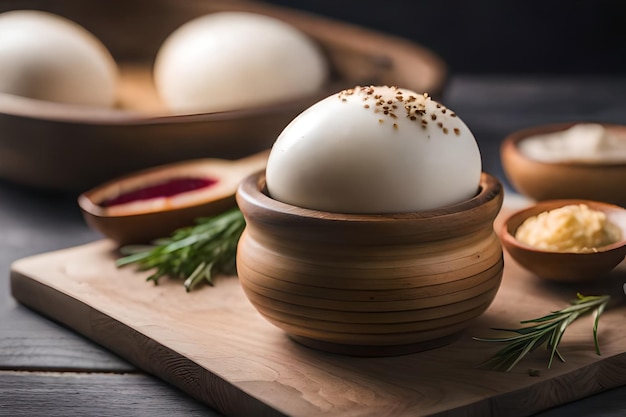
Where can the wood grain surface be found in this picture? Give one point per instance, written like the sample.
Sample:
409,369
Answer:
213,345
57,392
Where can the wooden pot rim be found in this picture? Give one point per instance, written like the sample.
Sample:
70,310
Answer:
253,198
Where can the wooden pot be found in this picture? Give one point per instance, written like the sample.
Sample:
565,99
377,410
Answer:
370,285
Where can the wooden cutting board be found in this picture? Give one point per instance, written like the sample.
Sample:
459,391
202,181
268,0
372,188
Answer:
212,344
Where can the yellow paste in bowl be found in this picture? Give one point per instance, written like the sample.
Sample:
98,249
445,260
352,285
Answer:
572,228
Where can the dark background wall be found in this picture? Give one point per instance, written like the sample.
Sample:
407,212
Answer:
495,36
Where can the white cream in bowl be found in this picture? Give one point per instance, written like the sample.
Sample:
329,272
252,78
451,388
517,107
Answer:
583,142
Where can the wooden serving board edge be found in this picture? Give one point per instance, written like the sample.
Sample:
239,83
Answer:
230,398
98,327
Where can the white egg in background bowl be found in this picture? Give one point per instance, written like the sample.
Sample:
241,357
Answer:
236,60
48,57
375,149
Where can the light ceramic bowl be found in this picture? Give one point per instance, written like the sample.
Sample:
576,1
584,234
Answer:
563,266
370,285
565,180
62,147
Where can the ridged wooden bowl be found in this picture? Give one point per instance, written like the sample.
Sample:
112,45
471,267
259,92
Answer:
370,285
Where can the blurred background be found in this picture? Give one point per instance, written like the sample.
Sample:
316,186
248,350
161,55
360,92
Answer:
491,36
511,64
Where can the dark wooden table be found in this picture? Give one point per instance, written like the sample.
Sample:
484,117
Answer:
48,370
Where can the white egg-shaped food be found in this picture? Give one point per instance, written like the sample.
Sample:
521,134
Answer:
48,57
236,60
374,149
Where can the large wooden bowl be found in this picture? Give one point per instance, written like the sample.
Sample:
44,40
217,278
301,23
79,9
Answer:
562,180
72,148
370,285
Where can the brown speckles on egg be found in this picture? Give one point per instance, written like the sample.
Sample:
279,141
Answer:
393,103
407,124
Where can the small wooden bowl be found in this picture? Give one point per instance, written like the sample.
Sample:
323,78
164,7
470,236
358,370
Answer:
63,147
562,266
370,285
145,219
565,180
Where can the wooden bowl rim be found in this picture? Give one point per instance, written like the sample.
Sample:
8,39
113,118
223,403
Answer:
89,204
11,105
253,191
507,234
510,144
26,107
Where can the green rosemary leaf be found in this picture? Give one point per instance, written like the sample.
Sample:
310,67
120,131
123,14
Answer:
547,318
527,348
196,276
515,338
133,254
558,355
560,331
195,253
598,313
547,330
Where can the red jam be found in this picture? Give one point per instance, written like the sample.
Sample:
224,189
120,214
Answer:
167,188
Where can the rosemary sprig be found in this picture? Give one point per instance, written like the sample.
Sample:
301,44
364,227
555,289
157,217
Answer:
547,330
195,253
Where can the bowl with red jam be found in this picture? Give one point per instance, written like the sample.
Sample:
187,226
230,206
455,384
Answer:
152,203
